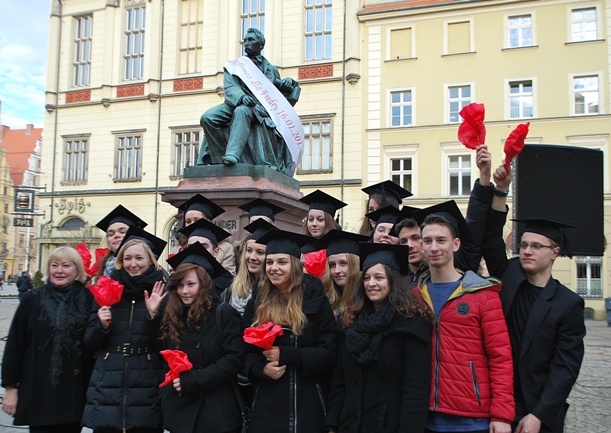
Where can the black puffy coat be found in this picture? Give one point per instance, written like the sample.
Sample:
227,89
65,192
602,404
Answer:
28,353
295,403
207,401
123,392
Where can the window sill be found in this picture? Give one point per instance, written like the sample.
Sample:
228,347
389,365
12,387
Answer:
523,47
129,180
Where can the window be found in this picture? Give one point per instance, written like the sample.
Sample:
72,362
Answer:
76,152
401,172
316,156
400,44
520,99
401,108
458,97
458,37
82,51
520,31
585,94
185,150
318,25
459,170
134,43
589,281
253,15
5,207
128,158
21,240
583,25
191,33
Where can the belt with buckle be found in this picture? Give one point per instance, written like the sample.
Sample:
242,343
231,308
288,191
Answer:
128,349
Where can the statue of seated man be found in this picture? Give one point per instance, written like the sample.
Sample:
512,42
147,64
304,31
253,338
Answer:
229,127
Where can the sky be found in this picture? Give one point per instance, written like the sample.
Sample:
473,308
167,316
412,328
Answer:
24,28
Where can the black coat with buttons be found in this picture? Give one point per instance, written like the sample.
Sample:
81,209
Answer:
207,401
27,358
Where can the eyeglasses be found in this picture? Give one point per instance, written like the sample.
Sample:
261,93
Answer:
535,246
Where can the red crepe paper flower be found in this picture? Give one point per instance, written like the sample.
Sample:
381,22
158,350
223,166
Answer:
262,336
515,143
178,362
107,291
315,263
83,251
472,131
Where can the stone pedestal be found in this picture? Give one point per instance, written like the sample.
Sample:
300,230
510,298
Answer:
233,186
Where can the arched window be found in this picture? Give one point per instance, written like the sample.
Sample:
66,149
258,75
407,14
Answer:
71,224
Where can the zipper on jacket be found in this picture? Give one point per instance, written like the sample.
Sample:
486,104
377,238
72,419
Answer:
129,328
436,391
322,400
475,384
293,385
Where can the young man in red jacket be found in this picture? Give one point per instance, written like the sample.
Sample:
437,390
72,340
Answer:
471,384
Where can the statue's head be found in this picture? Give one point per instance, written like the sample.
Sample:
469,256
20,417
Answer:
258,34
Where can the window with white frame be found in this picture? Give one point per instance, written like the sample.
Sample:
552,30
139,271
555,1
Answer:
401,108
133,57
318,27
76,158
583,24
459,173
253,15
458,97
317,147
520,99
185,149
520,31
586,94
401,172
191,35
82,51
128,157
589,280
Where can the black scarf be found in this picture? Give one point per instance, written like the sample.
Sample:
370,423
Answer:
364,337
135,286
67,310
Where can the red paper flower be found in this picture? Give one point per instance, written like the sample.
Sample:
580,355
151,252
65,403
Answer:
83,251
315,263
515,143
263,336
178,362
107,291
472,131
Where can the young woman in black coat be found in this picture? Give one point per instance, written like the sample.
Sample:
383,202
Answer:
382,382
204,398
123,394
291,378
45,368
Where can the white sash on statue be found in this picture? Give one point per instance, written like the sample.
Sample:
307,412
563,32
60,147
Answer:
280,110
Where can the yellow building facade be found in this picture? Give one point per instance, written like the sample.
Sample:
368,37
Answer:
382,84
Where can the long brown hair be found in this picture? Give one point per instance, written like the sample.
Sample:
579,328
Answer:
273,306
172,325
401,298
339,297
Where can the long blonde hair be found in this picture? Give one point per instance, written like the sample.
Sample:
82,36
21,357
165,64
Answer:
273,307
244,280
339,297
147,251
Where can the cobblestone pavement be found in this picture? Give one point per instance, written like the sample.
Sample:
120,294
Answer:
590,399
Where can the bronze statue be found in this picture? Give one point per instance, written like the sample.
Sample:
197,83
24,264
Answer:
241,130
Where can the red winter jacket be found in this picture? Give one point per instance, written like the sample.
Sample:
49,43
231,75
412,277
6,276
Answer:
472,369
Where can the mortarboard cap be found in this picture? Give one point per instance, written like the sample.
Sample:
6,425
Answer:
393,256
387,214
553,230
260,207
387,188
258,228
120,214
198,202
205,229
407,212
155,244
340,242
450,211
322,201
284,242
196,253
